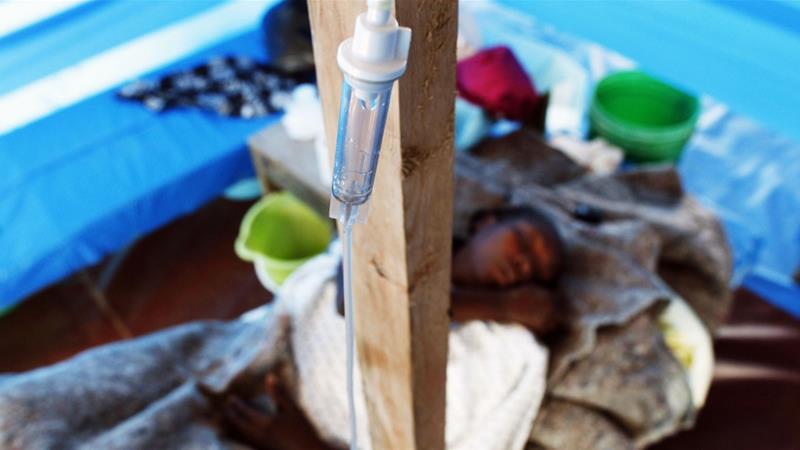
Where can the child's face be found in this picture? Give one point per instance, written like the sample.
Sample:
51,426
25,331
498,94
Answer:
499,254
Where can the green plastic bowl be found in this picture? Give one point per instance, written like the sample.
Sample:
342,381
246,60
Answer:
649,119
280,233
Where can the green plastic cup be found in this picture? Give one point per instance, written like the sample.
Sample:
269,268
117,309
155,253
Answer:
649,119
280,233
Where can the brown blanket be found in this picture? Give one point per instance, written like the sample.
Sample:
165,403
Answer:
156,392
644,243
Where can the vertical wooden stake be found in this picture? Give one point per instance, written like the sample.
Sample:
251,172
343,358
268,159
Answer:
401,264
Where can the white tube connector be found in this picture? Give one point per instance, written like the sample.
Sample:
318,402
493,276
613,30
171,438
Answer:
378,50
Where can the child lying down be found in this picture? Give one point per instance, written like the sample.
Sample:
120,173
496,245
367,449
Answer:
235,385
630,244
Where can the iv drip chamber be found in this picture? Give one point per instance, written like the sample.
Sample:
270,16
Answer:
362,118
370,61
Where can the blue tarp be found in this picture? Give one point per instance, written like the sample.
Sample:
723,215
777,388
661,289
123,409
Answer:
88,179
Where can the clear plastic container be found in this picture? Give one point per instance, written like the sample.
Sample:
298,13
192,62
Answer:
362,117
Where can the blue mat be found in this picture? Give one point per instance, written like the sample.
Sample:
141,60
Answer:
87,179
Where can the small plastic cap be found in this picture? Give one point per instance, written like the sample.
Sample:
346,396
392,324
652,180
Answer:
378,50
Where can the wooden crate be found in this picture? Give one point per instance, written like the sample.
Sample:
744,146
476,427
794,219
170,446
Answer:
283,163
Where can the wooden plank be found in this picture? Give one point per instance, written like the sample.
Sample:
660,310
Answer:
402,255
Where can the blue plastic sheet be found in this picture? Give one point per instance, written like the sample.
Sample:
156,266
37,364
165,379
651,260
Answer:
78,34
750,176
89,179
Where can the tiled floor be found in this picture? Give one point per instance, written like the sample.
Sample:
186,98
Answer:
185,271
188,271
754,401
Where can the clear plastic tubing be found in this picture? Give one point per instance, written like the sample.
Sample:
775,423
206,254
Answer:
362,118
347,275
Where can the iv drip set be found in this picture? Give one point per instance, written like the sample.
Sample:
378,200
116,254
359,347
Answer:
370,61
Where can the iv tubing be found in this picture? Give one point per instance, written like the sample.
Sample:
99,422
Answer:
347,271
371,60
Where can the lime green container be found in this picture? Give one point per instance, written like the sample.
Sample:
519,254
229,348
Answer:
649,119
281,232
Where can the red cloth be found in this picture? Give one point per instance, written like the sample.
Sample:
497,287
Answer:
494,80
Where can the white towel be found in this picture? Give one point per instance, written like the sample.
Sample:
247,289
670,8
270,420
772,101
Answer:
495,375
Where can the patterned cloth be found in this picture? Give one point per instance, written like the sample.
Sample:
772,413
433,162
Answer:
230,86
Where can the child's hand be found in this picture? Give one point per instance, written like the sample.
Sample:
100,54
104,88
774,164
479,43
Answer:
532,306
285,429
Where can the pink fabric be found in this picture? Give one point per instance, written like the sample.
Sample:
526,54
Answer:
495,80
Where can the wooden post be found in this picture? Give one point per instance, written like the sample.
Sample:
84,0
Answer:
401,264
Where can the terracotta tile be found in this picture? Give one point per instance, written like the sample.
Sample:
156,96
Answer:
753,412
744,415
50,326
182,272
187,271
